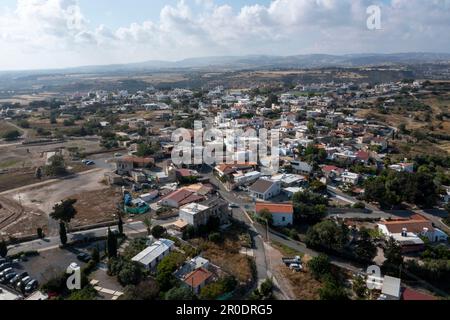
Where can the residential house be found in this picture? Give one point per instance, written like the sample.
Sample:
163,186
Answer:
408,232
350,177
198,279
282,213
198,214
265,189
180,197
152,255
125,165
301,167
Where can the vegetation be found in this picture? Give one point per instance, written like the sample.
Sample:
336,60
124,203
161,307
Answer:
64,211
63,233
11,135
309,206
111,242
57,166
179,293
3,249
217,289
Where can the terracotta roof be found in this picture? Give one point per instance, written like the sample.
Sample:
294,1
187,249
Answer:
331,168
178,195
363,155
197,277
139,160
284,208
415,225
412,295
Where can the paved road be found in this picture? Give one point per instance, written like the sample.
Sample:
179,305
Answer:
54,242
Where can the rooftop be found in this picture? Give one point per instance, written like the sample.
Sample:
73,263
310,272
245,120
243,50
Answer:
261,186
197,277
285,208
151,253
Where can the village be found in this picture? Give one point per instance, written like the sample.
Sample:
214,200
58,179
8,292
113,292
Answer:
358,208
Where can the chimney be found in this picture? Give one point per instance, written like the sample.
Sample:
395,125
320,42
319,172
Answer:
405,232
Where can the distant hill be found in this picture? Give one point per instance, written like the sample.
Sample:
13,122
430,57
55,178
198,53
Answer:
262,61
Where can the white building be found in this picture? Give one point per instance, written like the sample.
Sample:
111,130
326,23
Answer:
151,256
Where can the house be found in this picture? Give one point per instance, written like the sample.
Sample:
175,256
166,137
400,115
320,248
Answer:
362,156
180,197
301,167
198,279
403,167
408,232
265,189
391,289
350,177
282,214
289,180
125,165
198,214
191,265
151,256
113,178
332,172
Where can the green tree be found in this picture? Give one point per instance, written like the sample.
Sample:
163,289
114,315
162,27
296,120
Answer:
57,166
327,235
166,268
158,231
179,293
120,225
393,254
40,233
359,286
365,249
38,173
266,216
320,266
332,290
63,233
130,274
112,244
3,249
11,135
148,224
147,290
64,211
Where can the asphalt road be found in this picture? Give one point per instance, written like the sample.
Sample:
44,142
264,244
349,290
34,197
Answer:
54,242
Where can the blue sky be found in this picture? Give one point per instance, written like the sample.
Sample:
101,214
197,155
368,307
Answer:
38,34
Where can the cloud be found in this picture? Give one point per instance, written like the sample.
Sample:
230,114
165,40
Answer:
56,32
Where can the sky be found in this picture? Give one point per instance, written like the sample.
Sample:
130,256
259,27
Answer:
40,34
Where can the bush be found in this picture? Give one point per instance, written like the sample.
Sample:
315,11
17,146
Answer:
179,293
215,237
359,205
320,266
158,231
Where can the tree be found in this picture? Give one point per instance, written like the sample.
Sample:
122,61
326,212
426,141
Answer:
130,274
64,211
147,290
158,231
320,266
111,244
393,254
148,224
365,249
359,286
166,268
266,216
57,166
63,233
11,135
332,290
96,255
38,173
327,235
40,233
215,237
182,293
3,249
120,225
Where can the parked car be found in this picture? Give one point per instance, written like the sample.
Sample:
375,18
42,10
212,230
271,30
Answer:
23,283
31,286
233,206
17,278
7,277
84,257
5,271
117,155
296,267
5,266
88,162
2,261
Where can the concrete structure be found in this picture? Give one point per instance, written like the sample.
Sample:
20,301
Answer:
265,189
282,214
151,256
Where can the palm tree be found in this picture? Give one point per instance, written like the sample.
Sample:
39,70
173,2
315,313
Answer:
148,224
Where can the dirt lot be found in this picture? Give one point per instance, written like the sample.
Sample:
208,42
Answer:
95,207
17,220
96,199
227,256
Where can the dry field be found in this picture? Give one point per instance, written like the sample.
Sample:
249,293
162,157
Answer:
227,257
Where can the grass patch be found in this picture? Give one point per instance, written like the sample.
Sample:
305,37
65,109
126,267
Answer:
285,250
